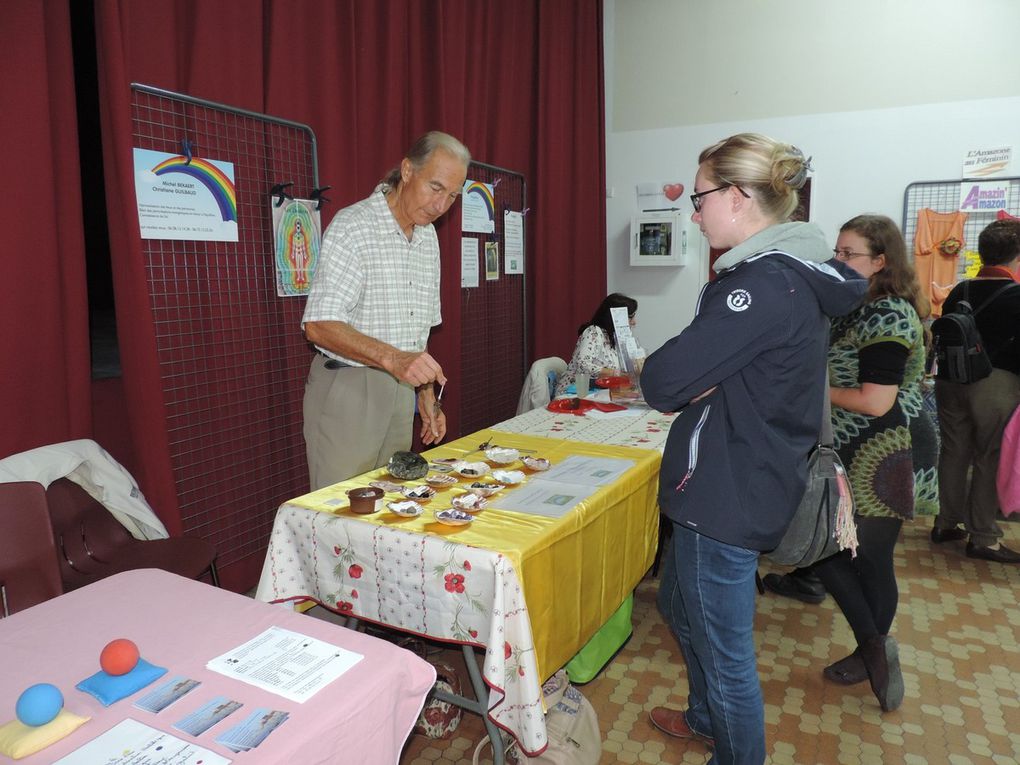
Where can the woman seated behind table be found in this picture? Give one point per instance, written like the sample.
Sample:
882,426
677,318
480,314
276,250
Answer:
595,354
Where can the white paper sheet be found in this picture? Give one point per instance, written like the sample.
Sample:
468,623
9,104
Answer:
130,742
286,663
587,471
513,242
547,498
553,493
468,262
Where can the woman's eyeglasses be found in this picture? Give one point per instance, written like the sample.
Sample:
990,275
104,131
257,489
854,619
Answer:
696,198
845,254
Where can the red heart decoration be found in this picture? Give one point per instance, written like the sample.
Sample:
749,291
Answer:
673,191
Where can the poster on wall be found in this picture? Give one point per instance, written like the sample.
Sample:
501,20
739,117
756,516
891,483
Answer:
985,163
656,196
491,261
984,197
297,236
468,261
185,198
478,208
513,242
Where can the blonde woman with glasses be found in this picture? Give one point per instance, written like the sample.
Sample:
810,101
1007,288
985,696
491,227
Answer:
748,380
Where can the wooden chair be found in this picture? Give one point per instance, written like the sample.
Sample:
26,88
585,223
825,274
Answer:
29,572
92,544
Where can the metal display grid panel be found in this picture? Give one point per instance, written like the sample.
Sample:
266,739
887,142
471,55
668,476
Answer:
493,343
232,358
944,197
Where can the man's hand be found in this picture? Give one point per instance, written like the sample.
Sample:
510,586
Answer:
433,419
418,369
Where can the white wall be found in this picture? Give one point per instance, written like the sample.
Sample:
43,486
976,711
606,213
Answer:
863,159
686,62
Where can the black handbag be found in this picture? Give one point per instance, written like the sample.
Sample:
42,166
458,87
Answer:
823,523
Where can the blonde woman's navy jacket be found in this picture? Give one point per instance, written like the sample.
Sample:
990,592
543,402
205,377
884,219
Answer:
735,463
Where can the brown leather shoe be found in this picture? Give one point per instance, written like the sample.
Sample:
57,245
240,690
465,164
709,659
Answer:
673,723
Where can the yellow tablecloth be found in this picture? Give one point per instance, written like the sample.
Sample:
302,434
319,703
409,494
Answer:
575,570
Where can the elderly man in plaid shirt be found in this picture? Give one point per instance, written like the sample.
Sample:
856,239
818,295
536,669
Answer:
373,301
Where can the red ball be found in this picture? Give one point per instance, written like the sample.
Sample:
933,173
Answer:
119,657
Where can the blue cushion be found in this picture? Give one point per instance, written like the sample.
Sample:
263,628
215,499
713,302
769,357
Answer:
110,688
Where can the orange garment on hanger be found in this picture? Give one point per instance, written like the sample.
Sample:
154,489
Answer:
937,246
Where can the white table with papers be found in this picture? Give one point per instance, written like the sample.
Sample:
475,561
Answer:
638,426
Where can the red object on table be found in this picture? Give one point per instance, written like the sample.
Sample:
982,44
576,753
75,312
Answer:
119,657
580,406
617,381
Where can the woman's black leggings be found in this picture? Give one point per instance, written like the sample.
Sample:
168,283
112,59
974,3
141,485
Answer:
864,587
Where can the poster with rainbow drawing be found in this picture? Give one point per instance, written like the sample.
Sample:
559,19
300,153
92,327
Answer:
478,210
185,198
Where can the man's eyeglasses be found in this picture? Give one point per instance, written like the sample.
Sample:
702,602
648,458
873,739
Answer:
846,254
696,198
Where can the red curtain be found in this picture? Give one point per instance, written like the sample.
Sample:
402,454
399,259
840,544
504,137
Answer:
520,82
44,344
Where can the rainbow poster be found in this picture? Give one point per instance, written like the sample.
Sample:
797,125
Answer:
297,236
186,199
479,207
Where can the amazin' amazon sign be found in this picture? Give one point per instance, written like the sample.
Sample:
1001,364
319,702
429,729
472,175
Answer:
988,196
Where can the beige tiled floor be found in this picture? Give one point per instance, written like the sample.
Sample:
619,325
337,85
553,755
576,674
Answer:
958,626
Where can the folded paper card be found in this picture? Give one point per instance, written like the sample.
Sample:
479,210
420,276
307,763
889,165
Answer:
18,740
111,688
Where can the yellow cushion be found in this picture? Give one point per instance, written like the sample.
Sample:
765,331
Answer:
18,740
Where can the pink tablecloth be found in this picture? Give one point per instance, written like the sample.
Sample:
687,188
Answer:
181,624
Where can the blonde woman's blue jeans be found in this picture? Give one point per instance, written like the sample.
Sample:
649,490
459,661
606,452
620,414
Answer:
706,595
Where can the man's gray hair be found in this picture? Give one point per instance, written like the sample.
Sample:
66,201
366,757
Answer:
422,150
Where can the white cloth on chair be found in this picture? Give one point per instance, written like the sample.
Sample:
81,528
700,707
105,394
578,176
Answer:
90,466
536,391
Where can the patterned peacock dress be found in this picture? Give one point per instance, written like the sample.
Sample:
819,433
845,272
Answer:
883,342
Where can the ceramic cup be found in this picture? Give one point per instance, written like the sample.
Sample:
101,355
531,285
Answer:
365,500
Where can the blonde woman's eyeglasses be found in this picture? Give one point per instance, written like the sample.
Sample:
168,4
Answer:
696,198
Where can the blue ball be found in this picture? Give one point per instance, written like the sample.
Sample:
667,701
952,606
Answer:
39,704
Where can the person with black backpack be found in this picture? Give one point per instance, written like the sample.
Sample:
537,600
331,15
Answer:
972,415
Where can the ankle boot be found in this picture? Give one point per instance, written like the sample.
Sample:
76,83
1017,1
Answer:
882,660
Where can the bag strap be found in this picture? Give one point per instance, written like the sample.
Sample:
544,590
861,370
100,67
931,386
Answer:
975,311
991,299
825,437
825,432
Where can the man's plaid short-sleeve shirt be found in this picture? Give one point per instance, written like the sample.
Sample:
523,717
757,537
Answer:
372,278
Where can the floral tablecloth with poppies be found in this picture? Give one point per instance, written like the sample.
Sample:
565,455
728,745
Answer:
640,427
530,590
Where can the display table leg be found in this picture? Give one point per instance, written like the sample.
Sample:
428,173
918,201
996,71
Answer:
477,704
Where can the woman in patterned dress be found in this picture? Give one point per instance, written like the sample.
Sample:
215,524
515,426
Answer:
876,366
595,353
